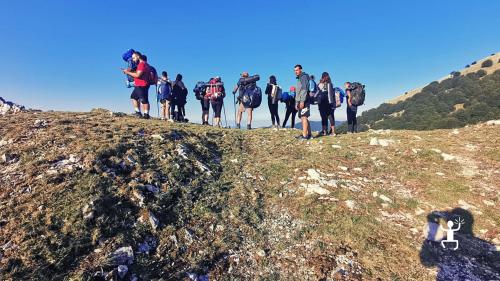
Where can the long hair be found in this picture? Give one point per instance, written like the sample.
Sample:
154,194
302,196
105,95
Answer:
325,78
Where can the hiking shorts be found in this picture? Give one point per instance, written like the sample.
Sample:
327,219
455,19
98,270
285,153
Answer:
217,108
205,105
140,94
305,112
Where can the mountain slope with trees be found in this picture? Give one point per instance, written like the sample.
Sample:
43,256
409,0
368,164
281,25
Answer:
454,102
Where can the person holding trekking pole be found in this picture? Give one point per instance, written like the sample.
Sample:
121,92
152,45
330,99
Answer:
246,83
216,93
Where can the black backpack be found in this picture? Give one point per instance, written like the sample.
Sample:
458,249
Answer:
357,93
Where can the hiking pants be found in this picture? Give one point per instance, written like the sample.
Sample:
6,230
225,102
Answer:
352,122
273,109
290,111
326,112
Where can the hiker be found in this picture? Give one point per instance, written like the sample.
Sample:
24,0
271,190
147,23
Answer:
302,101
216,93
352,122
273,92
178,89
326,107
141,84
245,87
182,104
165,96
289,99
200,92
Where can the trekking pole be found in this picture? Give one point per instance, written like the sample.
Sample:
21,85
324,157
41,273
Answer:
234,104
225,118
157,101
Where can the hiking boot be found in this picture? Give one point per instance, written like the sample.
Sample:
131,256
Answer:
238,126
145,116
249,127
138,114
301,137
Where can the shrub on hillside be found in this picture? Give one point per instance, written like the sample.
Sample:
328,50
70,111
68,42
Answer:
487,63
473,63
498,60
467,66
455,73
480,73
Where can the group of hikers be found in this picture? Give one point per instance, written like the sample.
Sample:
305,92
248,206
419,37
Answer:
247,96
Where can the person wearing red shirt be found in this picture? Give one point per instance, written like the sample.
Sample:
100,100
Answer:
141,85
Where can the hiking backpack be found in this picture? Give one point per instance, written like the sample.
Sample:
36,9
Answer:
357,93
276,92
336,98
127,57
200,89
312,87
152,78
252,96
215,90
164,90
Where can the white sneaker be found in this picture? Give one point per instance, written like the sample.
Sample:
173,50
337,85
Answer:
170,120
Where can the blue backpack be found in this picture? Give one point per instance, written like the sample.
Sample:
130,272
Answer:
312,87
199,90
127,57
252,97
164,91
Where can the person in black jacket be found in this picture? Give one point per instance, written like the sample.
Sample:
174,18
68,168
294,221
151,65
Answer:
272,101
178,89
290,108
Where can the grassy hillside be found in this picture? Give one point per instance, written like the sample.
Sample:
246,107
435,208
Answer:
92,196
451,103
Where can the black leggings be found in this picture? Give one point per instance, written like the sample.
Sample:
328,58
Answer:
290,111
327,113
217,108
273,108
352,122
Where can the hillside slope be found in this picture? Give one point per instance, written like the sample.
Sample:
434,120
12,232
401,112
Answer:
471,68
451,103
94,196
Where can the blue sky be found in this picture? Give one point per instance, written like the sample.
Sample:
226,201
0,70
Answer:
65,55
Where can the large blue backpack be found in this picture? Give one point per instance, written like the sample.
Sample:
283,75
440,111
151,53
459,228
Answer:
127,57
252,96
164,90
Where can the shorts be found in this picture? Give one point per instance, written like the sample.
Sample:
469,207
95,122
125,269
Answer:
140,94
217,107
205,105
305,112
164,101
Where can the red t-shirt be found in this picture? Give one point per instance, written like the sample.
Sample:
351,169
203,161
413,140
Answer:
143,80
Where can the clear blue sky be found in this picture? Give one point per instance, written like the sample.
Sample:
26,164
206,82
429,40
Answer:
65,55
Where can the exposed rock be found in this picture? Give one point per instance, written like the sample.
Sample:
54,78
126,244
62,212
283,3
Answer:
122,256
122,271
351,204
153,221
314,189
493,122
334,146
448,157
10,107
385,198
381,142
40,123
152,188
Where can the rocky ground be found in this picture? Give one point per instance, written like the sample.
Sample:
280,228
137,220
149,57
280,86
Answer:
104,196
